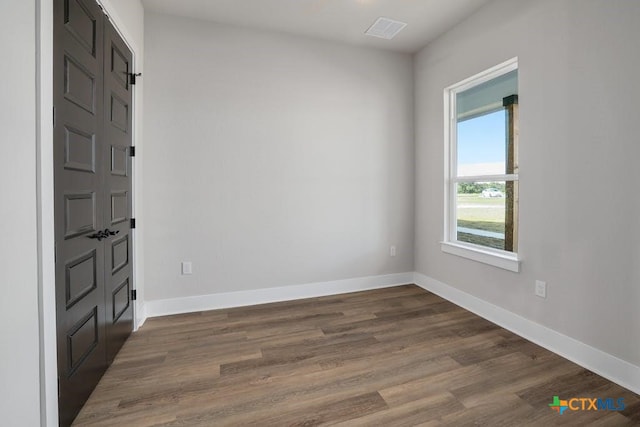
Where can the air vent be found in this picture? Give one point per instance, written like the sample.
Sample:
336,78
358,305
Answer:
385,28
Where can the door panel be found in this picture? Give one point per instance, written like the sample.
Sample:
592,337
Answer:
119,254
80,21
79,84
119,207
79,150
119,160
120,299
82,339
79,201
81,278
92,172
80,214
119,113
118,190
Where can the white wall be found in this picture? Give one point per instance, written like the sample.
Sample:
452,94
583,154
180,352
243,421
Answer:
19,330
579,151
272,160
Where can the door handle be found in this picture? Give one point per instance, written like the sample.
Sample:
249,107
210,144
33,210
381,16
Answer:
99,235
103,234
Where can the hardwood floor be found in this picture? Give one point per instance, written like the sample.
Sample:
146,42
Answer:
391,357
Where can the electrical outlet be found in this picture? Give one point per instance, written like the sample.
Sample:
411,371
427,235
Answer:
187,268
541,289
392,251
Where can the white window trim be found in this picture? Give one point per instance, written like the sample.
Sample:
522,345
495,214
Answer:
501,259
495,257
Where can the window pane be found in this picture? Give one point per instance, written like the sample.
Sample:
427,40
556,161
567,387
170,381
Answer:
486,214
482,145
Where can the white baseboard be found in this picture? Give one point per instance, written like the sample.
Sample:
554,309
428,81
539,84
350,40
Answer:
262,296
617,370
141,314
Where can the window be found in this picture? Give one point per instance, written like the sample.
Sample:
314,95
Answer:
481,219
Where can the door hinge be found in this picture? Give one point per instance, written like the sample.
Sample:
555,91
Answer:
132,151
134,294
132,77
58,386
132,223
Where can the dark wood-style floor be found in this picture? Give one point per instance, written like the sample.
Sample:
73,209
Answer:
392,357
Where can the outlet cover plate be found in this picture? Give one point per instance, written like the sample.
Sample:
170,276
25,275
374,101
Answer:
541,289
187,268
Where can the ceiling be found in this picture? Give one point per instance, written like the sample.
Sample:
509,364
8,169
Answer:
338,20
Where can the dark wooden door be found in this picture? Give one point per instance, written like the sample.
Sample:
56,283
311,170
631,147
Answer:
92,173
118,190
79,201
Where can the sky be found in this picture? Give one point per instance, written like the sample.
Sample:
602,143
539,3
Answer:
482,139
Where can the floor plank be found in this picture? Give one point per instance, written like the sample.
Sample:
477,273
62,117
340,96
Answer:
389,357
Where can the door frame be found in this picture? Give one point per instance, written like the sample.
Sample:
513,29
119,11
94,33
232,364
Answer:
45,200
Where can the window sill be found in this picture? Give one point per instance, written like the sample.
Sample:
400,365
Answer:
505,260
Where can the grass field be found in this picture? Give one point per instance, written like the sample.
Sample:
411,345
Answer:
481,213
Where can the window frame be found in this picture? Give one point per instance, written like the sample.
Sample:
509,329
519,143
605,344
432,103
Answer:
450,244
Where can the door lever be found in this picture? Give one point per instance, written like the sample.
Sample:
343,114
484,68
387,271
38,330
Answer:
103,234
99,235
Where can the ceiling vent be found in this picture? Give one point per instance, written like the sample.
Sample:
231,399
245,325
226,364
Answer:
385,28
